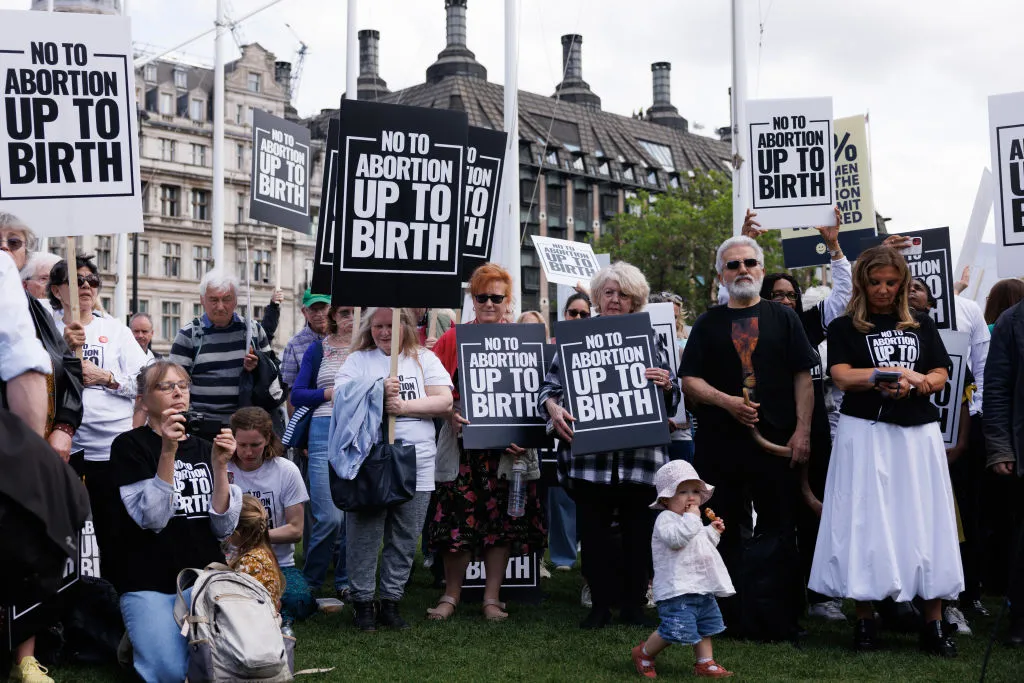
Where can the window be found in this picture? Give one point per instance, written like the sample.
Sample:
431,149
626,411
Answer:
673,181
577,164
551,158
170,319
197,311
145,190
240,207
143,306
167,150
200,205
240,156
172,259
627,173
180,78
197,110
143,252
103,253
661,154
169,197
166,104
253,82
248,116
198,154
603,168
202,261
652,177
150,73
261,265
55,245
106,304
239,113
257,313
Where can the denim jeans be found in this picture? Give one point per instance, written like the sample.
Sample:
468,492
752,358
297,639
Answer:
160,651
561,527
327,537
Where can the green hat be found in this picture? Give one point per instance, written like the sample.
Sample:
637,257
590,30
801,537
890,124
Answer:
309,298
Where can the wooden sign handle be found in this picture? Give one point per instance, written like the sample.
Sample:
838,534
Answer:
71,316
277,268
396,346
431,324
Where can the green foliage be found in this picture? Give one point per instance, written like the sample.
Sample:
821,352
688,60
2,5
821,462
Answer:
672,238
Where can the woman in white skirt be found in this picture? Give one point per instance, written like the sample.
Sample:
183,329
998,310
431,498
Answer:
888,528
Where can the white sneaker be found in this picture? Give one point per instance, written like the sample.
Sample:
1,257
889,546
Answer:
585,599
954,616
830,610
545,573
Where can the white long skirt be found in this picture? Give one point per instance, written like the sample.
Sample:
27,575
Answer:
888,528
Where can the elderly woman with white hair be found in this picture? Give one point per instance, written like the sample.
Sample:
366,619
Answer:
622,481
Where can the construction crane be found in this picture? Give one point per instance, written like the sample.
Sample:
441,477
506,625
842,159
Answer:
300,58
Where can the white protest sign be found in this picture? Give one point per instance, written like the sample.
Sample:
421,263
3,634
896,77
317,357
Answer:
663,320
564,261
790,162
947,400
563,292
69,158
1006,128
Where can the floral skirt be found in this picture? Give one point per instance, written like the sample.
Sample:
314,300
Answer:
471,512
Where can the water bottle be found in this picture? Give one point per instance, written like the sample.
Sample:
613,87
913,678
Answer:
517,490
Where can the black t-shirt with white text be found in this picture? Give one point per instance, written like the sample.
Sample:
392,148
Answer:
773,340
919,349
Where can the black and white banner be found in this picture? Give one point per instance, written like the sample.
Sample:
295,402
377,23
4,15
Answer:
932,261
1006,128
399,207
69,157
323,253
280,172
789,165
663,320
948,400
500,371
485,159
566,262
603,362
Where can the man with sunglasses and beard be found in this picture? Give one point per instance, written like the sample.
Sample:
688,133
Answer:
746,367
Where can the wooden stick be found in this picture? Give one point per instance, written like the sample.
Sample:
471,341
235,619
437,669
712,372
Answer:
71,316
396,345
431,324
357,317
458,317
277,269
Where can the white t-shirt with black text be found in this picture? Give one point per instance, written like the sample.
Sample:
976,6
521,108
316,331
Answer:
278,485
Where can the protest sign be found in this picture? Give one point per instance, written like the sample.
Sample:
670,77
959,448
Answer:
566,262
1006,128
563,292
602,371
323,252
521,583
485,158
948,399
803,247
500,371
69,157
790,161
280,172
399,226
663,320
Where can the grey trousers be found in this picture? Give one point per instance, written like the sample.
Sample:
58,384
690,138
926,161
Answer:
398,528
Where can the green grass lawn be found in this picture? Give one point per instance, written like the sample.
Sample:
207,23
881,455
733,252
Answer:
544,643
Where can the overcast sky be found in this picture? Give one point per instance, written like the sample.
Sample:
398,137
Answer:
922,69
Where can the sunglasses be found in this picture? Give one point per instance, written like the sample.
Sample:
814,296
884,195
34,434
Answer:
13,243
495,298
779,296
748,262
90,280
574,313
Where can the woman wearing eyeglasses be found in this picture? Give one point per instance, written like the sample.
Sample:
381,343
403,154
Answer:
173,505
470,519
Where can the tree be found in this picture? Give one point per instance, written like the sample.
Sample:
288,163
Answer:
672,237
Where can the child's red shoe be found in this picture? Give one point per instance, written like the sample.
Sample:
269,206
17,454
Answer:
644,663
709,669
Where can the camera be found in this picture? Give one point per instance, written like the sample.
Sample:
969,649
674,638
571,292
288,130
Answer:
198,424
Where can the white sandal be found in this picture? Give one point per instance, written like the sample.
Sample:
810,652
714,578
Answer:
502,614
440,614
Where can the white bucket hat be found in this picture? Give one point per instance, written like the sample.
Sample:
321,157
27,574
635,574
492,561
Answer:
671,475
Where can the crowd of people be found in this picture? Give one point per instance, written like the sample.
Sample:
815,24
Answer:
806,415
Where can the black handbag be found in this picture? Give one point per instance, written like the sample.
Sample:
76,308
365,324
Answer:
386,478
262,386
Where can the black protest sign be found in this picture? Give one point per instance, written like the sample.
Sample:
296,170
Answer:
323,254
500,371
485,158
280,172
69,160
603,362
521,582
399,206
566,262
948,399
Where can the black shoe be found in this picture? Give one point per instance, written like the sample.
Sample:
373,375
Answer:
599,617
979,608
1016,636
937,639
388,616
865,635
634,616
365,619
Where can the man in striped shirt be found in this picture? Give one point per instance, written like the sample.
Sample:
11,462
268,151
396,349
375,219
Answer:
216,349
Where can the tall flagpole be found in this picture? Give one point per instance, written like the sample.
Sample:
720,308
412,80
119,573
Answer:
507,239
217,207
121,287
740,193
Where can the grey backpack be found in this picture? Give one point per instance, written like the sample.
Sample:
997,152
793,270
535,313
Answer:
233,628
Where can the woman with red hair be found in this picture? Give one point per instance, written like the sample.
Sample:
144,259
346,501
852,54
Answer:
470,518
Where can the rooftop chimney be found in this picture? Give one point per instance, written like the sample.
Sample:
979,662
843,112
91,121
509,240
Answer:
455,59
662,111
573,88
370,85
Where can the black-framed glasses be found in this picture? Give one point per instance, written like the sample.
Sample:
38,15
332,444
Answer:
779,295
13,243
495,298
576,313
748,262
167,387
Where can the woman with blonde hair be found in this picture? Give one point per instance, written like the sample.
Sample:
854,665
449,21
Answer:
888,527
419,392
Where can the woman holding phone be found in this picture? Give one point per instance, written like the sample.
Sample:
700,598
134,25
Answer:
888,528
